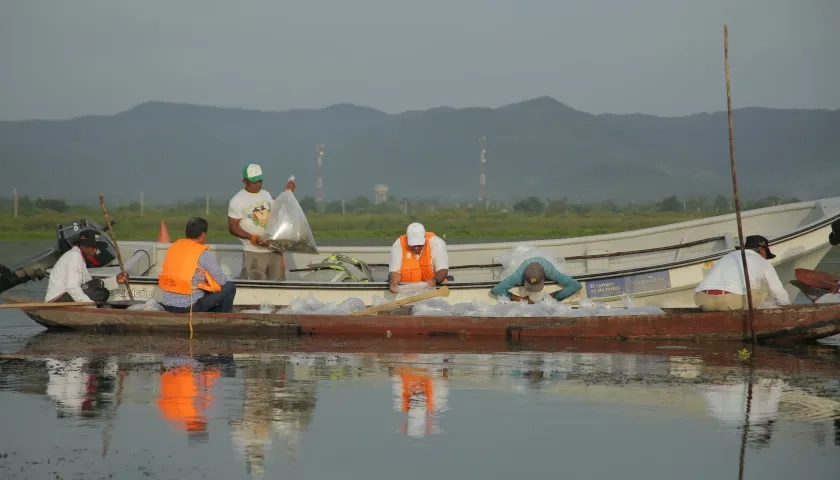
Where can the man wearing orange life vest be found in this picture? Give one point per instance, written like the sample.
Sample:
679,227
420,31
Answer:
191,277
418,256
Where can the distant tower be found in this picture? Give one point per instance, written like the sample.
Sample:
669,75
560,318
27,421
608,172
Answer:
381,193
482,179
319,182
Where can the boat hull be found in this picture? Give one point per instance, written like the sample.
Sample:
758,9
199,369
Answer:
790,324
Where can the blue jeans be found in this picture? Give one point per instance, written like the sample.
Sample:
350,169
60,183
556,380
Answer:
219,302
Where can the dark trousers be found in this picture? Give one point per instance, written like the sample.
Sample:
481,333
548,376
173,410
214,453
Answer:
221,301
93,289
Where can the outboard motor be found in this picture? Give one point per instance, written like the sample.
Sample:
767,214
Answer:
66,234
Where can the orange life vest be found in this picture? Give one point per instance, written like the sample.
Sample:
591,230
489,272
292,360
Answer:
416,269
180,265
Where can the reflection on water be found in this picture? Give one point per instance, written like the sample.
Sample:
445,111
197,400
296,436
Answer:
263,407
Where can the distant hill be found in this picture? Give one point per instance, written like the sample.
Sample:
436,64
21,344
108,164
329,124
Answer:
539,147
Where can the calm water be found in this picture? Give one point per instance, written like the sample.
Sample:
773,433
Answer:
124,407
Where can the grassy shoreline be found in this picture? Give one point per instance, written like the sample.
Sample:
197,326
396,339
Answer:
451,223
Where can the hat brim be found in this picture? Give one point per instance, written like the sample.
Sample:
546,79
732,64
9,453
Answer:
417,242
94,244
256,179
770,256
534,287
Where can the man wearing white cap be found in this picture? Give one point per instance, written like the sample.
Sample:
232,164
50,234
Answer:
418,256
248,213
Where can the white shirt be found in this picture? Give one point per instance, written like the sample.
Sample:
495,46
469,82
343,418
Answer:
69,274
252,210
728,274
440,259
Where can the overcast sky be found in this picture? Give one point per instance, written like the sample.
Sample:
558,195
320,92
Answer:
60,59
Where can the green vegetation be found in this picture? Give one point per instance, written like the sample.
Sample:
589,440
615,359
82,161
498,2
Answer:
530,218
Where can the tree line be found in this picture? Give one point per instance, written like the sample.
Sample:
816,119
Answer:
363,205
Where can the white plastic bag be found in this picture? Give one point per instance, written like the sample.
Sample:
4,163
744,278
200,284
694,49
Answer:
513,258
287,228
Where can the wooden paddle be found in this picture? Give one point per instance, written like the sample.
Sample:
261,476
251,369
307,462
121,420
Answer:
440,292
46,304
116,247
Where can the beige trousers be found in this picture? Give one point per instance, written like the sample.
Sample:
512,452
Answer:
727,301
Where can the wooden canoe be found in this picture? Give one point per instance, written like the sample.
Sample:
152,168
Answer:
790,324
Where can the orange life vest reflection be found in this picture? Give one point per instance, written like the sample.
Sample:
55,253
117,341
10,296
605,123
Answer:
185,397
421,396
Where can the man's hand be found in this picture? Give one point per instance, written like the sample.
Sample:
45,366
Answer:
122,277
432,283
517,298
258,241
393,288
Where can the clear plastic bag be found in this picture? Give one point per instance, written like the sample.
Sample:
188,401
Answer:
514,257
287,228
405,290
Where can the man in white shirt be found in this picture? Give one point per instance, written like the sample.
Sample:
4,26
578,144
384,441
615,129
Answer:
248,213
418,256
723,288
70,280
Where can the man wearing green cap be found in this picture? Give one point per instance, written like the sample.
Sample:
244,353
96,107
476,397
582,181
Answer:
529,282
248,213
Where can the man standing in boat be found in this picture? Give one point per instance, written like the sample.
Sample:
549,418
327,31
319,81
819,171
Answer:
248,213
191,278
70,280
528,281
418,256
723,288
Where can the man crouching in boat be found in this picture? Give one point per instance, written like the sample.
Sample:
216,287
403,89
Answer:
723,287
529,281
191,275
70,280
418,256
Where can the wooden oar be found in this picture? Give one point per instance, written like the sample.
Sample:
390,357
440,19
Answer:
46,304
441,292
116,247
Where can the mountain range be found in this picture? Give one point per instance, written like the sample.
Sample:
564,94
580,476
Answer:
539,147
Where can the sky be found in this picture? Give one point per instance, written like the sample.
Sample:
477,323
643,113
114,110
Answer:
63,59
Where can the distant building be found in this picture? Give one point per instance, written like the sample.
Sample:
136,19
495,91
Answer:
381,194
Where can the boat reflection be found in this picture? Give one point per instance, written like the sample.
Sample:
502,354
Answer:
266,401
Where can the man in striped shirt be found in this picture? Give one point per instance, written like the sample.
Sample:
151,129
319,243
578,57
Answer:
191,275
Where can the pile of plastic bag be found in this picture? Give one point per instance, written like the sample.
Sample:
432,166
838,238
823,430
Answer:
548,307
287,228
151,305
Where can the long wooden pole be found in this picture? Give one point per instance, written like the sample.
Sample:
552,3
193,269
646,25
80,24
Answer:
440,292
116,246
735,184
46,304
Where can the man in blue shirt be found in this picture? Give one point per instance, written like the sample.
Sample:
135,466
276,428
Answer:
531,276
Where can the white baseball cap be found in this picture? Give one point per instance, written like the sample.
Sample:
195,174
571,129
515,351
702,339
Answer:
252,172
415,235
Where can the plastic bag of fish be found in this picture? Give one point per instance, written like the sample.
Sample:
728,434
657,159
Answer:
287,228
